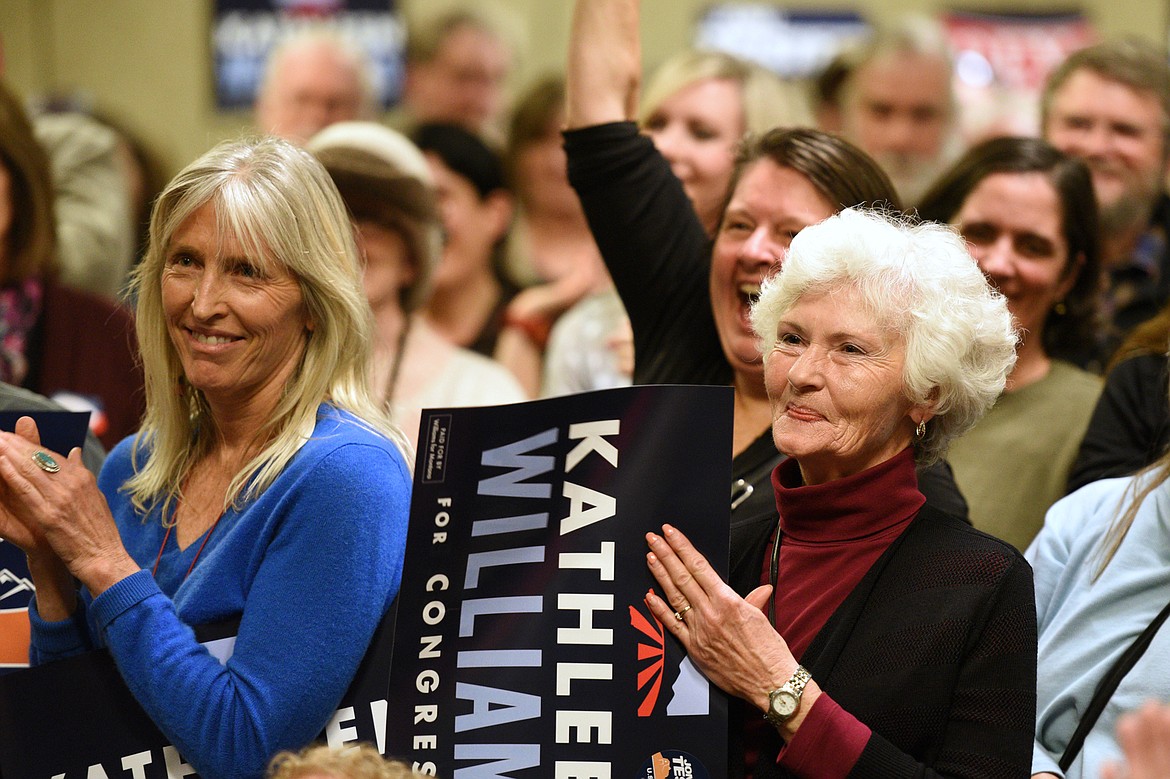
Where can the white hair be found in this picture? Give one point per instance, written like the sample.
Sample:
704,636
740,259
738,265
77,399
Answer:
920,282
316,36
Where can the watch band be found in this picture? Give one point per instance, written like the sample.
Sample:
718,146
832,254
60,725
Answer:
800,678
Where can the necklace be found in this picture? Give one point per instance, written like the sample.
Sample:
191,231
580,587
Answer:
198,551
774,572
396,363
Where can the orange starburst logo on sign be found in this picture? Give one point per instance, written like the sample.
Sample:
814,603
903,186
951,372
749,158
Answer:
650,677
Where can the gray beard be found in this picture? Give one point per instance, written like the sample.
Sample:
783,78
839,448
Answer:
1127,214
911,178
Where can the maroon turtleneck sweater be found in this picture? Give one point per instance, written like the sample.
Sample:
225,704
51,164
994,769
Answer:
831,534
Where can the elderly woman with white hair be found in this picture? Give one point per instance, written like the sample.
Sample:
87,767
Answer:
887,638
266,486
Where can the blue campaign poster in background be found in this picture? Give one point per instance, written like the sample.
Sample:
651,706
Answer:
523,647
243,32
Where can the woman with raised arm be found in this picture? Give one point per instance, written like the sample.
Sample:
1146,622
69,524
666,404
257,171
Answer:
688,296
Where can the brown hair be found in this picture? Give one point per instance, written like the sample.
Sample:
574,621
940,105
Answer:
376,191
32,235
1150,337
840,171
536,112
425,38
1065,334
1134,62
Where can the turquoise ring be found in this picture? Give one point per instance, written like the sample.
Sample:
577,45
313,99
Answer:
45,462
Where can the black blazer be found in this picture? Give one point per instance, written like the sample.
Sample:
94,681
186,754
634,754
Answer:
934,650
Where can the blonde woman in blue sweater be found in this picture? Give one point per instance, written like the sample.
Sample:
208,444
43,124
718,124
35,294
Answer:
266,486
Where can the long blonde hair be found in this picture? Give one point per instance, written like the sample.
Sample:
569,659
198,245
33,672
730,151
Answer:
1135,494
768,101
279,203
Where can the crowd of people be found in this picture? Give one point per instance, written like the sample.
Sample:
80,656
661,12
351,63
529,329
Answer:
950,546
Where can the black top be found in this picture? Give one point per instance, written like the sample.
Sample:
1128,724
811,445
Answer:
941,594
934,650
486,339
1130,427
656,250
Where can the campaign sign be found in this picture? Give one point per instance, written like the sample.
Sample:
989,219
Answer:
244,33
76,717
60,431
523,646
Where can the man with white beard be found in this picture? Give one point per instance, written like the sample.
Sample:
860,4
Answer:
1109,104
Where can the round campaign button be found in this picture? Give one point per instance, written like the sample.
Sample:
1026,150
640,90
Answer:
673,764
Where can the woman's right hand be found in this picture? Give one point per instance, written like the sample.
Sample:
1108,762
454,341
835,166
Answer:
729,638
64,509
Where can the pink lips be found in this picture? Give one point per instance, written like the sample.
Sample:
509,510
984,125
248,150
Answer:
802,413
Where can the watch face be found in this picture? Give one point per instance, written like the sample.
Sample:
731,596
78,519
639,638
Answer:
783,704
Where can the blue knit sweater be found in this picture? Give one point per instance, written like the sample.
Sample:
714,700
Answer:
309,568
1085,625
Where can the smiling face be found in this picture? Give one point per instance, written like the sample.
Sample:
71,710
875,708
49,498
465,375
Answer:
1118,132
834,379
770,205
696,129
239,331
1012,223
